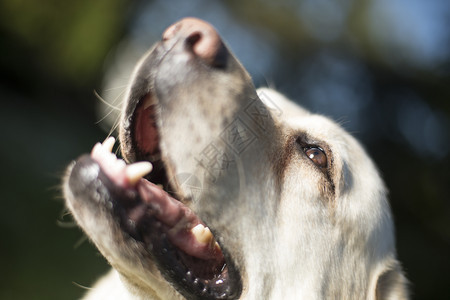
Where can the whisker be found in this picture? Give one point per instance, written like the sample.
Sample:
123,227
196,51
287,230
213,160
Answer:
106,102
64,224
105,116
81,286
115,126
116,88
80,242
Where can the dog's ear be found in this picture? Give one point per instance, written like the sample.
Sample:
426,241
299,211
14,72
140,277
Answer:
392,285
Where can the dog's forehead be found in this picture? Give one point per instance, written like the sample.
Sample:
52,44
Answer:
298,120
279,105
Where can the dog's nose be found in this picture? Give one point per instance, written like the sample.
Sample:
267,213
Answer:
199,37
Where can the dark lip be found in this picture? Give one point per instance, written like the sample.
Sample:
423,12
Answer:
165,254
147,230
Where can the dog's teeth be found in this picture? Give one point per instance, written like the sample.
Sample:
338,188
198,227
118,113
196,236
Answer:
108,144
136,171
203,234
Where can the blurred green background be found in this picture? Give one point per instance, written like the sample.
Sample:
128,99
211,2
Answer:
380,67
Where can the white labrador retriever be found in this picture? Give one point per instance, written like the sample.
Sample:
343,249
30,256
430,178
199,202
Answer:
250,196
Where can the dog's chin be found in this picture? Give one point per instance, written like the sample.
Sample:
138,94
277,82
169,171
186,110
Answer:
153,212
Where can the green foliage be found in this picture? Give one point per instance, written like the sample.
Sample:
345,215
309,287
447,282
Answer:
71,38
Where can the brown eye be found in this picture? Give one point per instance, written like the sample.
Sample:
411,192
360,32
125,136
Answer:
318,156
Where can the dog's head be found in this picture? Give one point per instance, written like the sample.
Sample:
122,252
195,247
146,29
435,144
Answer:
295,206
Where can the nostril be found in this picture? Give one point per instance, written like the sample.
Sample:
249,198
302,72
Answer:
207,45
200,39
193,38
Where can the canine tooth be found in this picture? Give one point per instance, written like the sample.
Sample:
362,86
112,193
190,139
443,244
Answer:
215,244
136,171
121,163
110,159
108,144
203,234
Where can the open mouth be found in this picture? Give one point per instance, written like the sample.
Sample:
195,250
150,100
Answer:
149,211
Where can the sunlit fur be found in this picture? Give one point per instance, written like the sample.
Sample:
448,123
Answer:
292,230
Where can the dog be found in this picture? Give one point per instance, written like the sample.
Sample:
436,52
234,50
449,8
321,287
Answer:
228,192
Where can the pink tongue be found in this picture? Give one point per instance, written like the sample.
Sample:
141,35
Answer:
179,220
